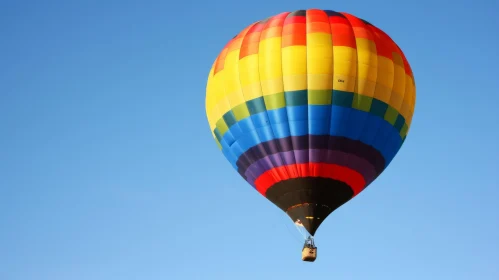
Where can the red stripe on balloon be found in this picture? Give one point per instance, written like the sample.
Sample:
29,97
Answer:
325,170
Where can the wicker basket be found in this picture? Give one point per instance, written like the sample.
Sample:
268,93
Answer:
309,254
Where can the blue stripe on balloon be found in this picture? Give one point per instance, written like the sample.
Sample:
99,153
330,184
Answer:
228,153
314,120
319,118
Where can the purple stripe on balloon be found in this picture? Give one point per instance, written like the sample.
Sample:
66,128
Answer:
310,142
353,162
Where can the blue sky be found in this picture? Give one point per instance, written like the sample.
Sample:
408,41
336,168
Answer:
108,169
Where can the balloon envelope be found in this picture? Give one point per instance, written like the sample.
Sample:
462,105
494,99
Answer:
310,107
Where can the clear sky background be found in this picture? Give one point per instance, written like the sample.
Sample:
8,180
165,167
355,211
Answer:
108,169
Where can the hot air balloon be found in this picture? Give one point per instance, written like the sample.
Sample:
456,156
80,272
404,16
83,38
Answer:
310,107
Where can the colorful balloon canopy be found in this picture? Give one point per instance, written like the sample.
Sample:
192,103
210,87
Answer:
310,107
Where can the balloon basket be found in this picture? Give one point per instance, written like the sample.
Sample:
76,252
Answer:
309,251
309,254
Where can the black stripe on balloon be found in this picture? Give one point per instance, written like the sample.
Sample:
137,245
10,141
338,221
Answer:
333,143
298,13
331,13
